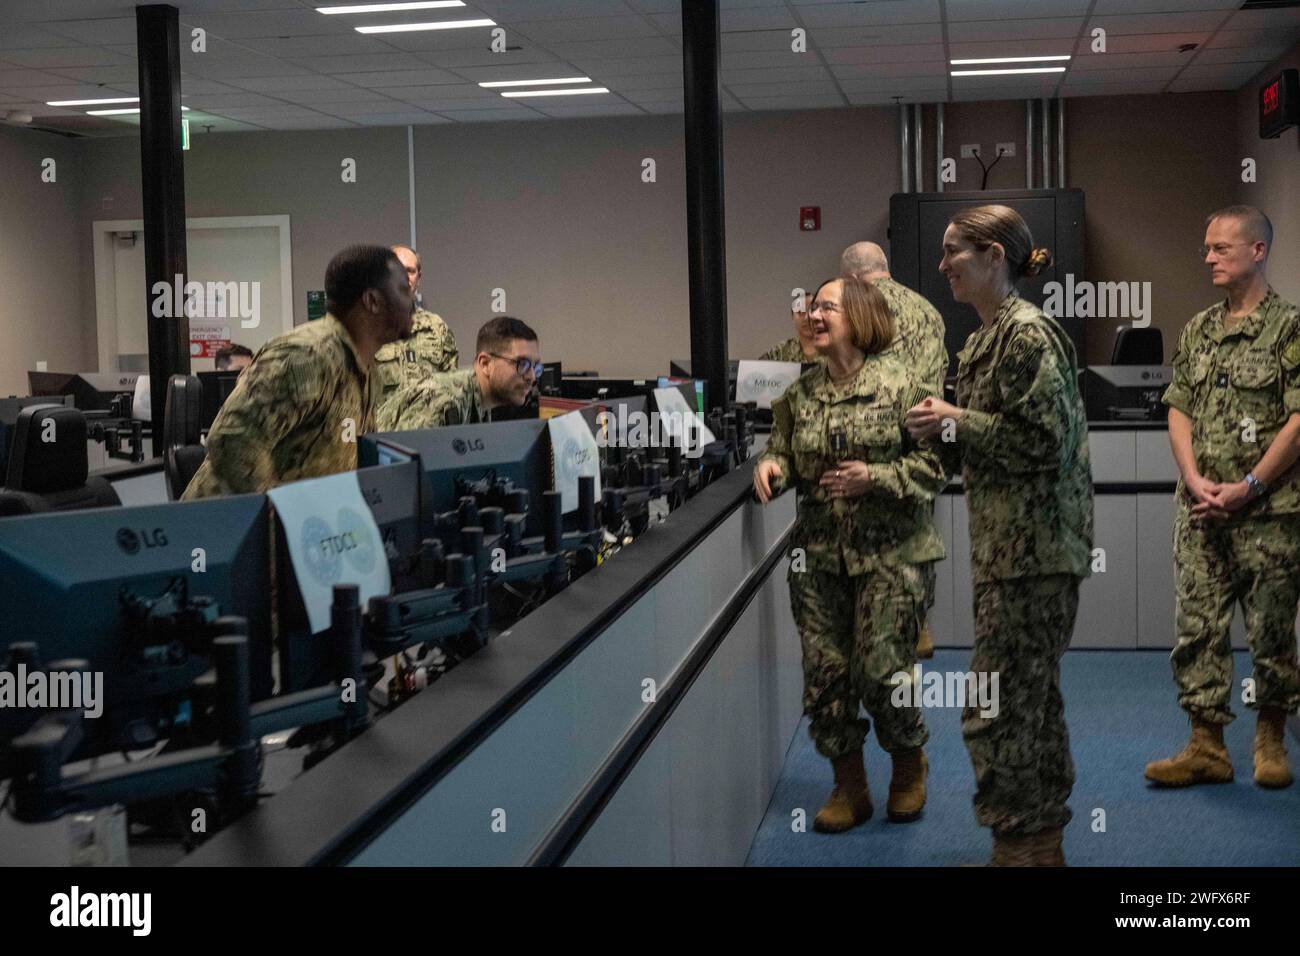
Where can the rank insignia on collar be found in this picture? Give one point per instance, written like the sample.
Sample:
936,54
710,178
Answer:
410,355
1221,380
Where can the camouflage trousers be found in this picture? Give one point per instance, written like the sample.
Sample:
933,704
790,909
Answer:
1256,563
1021,756
857,632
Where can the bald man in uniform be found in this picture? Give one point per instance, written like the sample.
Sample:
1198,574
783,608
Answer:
430,348
918,342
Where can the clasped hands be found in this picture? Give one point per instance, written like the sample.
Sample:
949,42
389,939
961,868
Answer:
926,419
1214,500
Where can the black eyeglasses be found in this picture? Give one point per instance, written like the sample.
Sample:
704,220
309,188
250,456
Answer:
523,364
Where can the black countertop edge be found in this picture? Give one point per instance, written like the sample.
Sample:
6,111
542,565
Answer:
329,814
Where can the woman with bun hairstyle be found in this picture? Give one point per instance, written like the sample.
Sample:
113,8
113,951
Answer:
1018,434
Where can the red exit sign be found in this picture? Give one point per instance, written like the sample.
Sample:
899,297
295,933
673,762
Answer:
1279,104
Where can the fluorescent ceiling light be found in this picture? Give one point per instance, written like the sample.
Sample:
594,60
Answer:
1010,59
567,79
1041,69
120,112
518,93
392,7
119,99
441,25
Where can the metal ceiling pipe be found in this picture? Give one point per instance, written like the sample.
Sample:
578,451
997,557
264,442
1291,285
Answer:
904,147
1029,144
1047,139
919,162
938,147
1060,143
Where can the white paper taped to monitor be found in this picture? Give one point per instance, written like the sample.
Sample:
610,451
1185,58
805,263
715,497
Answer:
764,382
676,417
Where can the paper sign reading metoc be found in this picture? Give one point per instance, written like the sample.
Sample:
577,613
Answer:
675,416
333,539
575,452
763,382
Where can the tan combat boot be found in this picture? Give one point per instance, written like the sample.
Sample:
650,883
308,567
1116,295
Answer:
907,785
925,643
1271,768
1048,850
1204,759
850,802
1014,850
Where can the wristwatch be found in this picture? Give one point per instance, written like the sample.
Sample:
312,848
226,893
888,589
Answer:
1254,487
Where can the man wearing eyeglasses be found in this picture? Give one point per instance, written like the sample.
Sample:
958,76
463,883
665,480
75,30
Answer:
507,365
1234,424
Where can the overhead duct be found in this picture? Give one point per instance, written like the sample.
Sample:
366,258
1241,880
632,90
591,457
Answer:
918,164
938,147
904,147
1047,139
1060,143
1029,144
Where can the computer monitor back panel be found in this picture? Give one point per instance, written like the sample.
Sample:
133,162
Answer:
217,387
916,226
69,579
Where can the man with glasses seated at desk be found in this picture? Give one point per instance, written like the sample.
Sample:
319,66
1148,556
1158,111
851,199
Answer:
507,365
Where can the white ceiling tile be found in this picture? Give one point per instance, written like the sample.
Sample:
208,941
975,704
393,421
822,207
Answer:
920,68
758,40
480,116
425,77
52,58
1233,73
354,111
631,67
847,55
875,98
823,15
269,23
1137,75
10,78
218,101
760,60
401,119
243,68
278,111
577,112
319,121
455,59
756,18
16,36
363,63
198,86
615,49
303,81
650,81
447,91
101,74
1159,22
1265,19
586,29
520,71
511,10
894,84
1105,7
890,35
1227,38
791,102
343,44
746,91
1015,9
801,74
1126,61
1238,54
474,38
1058,46
1012,31
313,97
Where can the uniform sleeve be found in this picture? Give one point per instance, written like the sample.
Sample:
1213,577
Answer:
412,406
918,476
1027,433
450,354
272,398
1291,369
934,356
778,443
787,351
1179,393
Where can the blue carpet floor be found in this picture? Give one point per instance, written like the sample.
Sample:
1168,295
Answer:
1122,712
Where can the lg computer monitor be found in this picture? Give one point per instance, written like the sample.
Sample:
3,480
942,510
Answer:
216,388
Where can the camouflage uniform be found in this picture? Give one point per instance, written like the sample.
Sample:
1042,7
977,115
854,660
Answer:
1222,378
788,351
288,417
918,343
1023,446
858,603
452,398
430,349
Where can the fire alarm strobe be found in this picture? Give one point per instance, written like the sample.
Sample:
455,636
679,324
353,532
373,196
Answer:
1279,104
810,218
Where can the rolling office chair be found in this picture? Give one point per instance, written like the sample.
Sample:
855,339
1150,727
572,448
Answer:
182,452
1138,346
51,475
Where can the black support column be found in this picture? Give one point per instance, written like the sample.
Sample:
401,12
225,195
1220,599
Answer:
705,228
162,168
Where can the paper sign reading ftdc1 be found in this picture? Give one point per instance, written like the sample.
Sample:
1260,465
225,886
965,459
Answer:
333,539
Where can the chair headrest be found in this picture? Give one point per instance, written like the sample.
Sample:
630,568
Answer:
49,450
184,411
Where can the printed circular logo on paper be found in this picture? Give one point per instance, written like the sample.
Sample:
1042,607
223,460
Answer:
355,541
128,540
320,545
